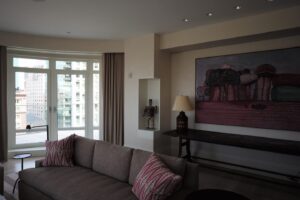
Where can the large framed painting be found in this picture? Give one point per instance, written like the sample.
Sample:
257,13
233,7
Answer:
259,89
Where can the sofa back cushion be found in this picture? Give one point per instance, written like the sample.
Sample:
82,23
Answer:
140,157
84,151
112,160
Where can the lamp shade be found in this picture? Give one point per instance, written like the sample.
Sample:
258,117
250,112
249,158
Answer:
182,103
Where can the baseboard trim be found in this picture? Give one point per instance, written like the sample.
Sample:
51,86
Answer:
290,180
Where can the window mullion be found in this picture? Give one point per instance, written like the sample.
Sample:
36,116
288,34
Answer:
11,106
101,84
89,101
53,101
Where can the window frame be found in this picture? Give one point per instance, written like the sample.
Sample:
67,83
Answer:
52,93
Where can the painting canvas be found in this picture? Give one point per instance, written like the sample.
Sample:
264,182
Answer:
259,89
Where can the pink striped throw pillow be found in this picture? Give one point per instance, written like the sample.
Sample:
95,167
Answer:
155,181
59,153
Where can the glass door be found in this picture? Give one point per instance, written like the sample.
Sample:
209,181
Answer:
31,100
71,98
64,94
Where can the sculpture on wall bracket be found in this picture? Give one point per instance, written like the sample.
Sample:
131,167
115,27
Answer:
149,113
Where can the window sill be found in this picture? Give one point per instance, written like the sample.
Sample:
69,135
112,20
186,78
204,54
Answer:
34,151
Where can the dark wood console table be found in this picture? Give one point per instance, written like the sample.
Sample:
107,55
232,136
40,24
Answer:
244,141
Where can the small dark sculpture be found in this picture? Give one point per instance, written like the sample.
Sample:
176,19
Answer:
149,113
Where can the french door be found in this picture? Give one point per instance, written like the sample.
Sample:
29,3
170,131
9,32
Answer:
70,108
61,93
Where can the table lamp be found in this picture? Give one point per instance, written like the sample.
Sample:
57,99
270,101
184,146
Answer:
182,104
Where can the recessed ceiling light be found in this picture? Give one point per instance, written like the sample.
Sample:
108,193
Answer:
38,0
238,7
270,0
209,14
68,32
186,20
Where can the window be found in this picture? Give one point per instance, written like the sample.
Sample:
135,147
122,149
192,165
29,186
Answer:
30,63
63,93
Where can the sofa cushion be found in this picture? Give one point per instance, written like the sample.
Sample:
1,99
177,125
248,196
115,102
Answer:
59,153
155,180
64,183
140,157
112,160
27,192
84,151
191,176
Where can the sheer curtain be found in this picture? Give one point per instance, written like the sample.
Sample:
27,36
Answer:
3,104
113,98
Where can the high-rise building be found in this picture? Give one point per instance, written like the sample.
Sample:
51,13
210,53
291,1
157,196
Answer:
36,90
21,109
71,97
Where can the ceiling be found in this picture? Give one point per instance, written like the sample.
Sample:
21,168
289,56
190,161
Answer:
120,19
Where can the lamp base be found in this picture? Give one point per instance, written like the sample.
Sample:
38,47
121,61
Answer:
182,122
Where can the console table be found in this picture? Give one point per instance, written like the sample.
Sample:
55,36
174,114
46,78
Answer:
244,141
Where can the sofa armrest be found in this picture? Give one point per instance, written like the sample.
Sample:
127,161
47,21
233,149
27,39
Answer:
38,163
191,177
1,180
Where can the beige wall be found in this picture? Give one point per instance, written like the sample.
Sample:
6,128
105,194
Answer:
241,27
162,143
60,44
183,79
144,60
139,64
183,82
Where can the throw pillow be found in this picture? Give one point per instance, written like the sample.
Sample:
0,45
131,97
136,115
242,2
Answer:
155,181
59,153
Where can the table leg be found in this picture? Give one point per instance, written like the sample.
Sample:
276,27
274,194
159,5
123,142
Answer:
22,167
15,185
188,149
22,164
180,147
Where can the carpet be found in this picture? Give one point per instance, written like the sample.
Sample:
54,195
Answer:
9,181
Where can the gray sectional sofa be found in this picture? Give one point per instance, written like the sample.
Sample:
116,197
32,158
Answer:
102,171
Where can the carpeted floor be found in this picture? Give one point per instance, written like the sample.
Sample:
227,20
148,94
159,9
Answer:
9,181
